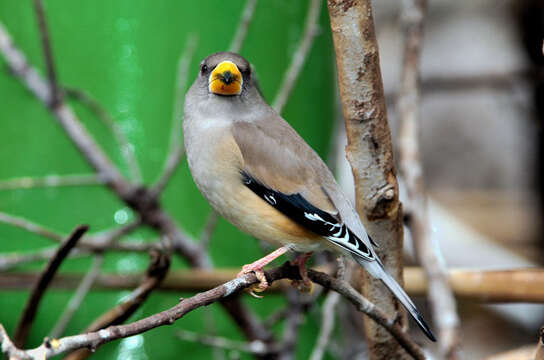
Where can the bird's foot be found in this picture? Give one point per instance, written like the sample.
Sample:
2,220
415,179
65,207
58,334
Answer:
305,285
257,268
261,286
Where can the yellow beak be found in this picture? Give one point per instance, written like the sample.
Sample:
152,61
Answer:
225,79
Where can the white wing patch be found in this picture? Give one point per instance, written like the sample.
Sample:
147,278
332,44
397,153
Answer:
341,236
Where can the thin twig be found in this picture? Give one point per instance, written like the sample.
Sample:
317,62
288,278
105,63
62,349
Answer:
98,242
275,318
311,29
17,63
56,95
243,26
327,325
31,307
50,181
156,271
328,314
440,294
255,347
80,294
93,340
141,199
30,227
10,261
293,320
127,149
177,150
209,228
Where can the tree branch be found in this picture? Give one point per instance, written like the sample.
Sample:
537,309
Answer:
81,292
243,26
177,150
156,271
293,71
31,307
370,154
328,314
502,286
440,295
209,228
56,94
93,340
255,347
50,181
127,150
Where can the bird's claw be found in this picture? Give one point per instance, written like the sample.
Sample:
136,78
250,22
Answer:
304,286
259,287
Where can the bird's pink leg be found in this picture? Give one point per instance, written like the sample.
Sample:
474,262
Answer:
257,268
300,261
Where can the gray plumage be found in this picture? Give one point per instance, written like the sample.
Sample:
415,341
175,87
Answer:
227,135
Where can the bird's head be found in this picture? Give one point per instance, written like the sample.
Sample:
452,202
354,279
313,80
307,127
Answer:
225,73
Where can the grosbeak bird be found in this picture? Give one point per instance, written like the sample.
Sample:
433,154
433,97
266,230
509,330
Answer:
259,174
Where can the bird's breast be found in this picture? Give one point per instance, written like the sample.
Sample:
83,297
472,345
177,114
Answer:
216,164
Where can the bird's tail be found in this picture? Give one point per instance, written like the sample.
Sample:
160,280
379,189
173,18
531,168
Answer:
376,269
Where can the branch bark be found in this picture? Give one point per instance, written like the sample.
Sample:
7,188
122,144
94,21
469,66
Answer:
93,340
500,286
156,271
440,295
243,26
291,75
370,154
31,308
81,292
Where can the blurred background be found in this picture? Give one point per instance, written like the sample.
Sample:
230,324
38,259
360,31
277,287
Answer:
481,138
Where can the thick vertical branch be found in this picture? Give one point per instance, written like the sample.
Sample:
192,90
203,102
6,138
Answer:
370,154
440,294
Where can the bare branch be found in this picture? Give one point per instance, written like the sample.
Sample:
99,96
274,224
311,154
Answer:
99,242
440,295
243,26
141,199
506,286
31,307
56,94
30,227
209,228
328,314
156,271
18,64
80,294
247,320
177,149
311,29
127,149
296,308
50,181
92,340
370,154
9,261
255,347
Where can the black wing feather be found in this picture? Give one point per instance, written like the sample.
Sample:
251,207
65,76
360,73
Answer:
298,209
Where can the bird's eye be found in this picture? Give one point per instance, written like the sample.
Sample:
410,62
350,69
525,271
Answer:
203,68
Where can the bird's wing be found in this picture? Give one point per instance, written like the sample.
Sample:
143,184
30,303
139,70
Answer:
287,173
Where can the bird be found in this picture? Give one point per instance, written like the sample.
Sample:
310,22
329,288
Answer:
257,172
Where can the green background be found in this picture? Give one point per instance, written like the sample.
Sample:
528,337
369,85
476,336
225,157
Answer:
124,53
